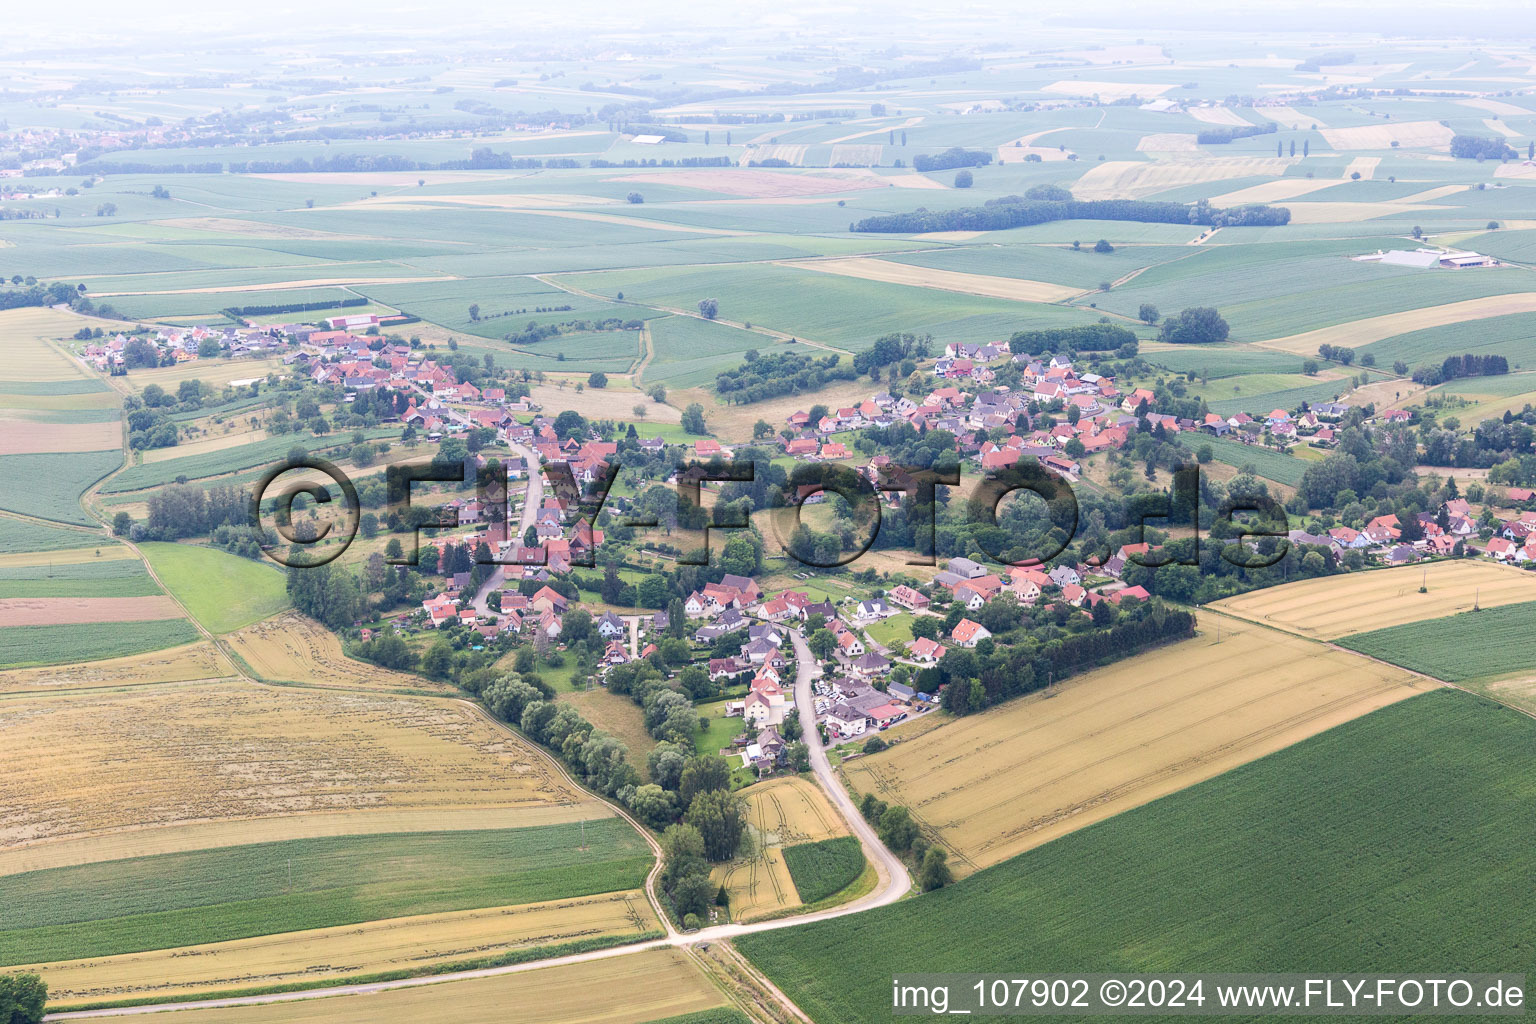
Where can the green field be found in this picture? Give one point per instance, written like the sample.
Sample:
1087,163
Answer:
1058,264
1261,392
118,577
823,869
49,486
261,454
221,590
22,646
1392,843
719,1015
690,352
1218,361
233,892
840,311
1267,463
1481,644
18,535
1513,337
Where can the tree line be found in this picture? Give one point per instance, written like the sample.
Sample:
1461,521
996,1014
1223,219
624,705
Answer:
1017,211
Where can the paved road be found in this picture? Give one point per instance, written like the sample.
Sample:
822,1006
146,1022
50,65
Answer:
892,884
533,497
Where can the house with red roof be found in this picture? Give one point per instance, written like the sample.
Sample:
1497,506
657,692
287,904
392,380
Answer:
968,634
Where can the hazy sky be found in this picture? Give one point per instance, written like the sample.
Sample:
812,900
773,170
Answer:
106,20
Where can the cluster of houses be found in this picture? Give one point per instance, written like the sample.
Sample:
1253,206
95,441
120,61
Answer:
1437,534
183,344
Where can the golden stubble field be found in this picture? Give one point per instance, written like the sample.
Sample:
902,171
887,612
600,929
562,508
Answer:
1389,325
290,648
993,785
29,356
782,812
95,776
868,268
178,665
631,989
1330,607
405,943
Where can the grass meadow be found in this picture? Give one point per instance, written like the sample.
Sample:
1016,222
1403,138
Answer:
1389,843
222,591
1266,462
179,899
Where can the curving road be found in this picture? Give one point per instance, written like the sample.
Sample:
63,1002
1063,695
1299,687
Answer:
892,884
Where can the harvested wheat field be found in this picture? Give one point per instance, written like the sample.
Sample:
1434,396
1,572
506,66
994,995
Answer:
868,268
1132,179
1389,325
792,811
1290,117
87,765
1220,115
403,943
290,648
862,154
177,665
111,551
58,611
205,444
1273,191
1108,92
783,812
1406,134
992,785
1167,142
792,155
753,183
1357,602
631,989
1353,213
1495,106
251,228
758,885
29,356
19,437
